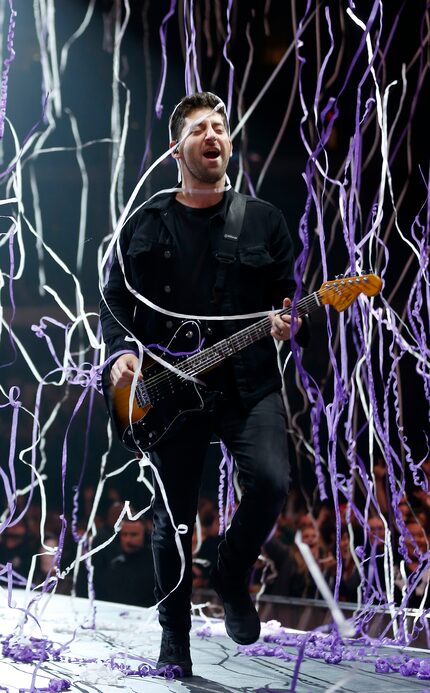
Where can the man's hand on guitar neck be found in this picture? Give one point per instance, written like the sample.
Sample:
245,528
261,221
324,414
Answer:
282,325
123,370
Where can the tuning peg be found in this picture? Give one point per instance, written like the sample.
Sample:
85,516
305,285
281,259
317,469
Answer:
339,276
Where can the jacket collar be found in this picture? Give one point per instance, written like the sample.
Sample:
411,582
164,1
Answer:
164,201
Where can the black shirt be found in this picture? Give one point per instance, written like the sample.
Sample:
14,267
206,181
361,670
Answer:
195,265
194,279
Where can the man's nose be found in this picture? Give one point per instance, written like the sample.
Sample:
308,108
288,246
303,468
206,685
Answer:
210,133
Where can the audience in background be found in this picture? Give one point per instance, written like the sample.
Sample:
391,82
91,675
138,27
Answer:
123,570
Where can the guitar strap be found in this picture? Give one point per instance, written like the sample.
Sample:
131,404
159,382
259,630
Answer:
226,253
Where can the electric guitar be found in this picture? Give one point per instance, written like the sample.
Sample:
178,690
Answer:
144,414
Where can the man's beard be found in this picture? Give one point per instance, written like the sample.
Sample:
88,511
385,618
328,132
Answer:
204,175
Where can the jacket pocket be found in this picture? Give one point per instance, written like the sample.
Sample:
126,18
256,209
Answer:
147,244
149,261
150,253
139,245
255,256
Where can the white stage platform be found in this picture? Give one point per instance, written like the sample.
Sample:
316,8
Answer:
129,636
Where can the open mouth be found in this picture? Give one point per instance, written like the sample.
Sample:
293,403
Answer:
211,154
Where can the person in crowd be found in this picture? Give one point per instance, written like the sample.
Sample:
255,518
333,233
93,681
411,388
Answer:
205,555
422,513
412,576
381,487
404,507
129,576
201,567
48,566
374,587
15,548
326,523
293,576
32,518
350,579
422,494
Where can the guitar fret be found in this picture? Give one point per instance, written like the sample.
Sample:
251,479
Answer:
222,350
219,352
216,354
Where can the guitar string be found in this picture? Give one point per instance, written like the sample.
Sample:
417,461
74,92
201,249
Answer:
216,354
220,351
210,357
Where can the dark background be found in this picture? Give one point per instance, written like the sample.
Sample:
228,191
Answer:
86,95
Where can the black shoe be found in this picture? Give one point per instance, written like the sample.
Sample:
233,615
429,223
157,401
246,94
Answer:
241,619
175,652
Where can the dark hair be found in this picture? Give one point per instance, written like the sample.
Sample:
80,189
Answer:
201,99
140,520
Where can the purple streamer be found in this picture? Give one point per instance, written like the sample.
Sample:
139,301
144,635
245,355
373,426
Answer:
249,183
163,36
11,298
333,650
12,166
193,48
226,464
229,63
192,78
5,72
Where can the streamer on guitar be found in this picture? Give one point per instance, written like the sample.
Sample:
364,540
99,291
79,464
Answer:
143,415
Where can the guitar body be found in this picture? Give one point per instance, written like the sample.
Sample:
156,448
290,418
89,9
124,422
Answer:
147,414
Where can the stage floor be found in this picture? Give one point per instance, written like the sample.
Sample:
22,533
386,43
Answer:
129,635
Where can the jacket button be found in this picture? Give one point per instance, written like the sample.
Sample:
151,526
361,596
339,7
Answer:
209,331
167,254
169,324
167,289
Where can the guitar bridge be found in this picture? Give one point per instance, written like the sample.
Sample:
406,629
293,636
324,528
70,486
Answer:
142,397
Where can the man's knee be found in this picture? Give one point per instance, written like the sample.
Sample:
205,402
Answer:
269,487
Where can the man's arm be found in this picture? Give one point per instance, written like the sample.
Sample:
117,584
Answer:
116,316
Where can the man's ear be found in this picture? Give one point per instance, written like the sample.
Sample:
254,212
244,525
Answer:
175,151
231,148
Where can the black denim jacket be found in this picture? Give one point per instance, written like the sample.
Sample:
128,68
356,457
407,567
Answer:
259,279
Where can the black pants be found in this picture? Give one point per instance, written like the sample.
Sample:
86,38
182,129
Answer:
257,439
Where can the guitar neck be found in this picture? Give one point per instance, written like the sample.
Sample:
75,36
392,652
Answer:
213,356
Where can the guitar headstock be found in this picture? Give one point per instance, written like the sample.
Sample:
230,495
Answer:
341,292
